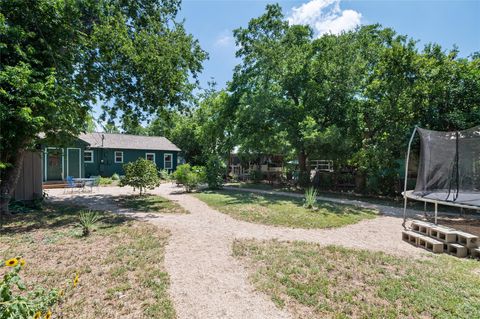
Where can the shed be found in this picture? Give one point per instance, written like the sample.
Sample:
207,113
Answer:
29,185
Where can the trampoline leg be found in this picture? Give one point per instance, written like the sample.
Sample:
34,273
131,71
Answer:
436,211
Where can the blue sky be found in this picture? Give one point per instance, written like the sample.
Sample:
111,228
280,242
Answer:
444,22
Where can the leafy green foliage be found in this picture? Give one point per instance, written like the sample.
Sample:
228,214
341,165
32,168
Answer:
215,169
189,176
87,220
164,174
16,301
141,174
310,198
61,57
115,177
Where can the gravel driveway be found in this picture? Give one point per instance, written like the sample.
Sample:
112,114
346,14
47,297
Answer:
206,280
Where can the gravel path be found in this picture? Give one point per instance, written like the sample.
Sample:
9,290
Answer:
206,281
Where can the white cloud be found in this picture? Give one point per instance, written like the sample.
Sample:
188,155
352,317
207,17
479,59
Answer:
325,16
224,40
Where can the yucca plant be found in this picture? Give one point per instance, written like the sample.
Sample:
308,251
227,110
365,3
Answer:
87,220
310,199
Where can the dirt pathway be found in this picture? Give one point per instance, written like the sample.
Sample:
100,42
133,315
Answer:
206,280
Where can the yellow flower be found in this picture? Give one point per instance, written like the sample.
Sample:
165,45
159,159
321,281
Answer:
61,292
37,315
11,262
22,262
48,315
75,281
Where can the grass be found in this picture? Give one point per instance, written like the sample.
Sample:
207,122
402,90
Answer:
121,263
378,200
151,204
332,282
282,211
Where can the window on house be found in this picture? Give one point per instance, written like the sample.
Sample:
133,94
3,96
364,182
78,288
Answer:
150,157
118,157
167,161
88,156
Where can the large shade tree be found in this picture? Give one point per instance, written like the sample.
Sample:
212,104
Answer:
60,56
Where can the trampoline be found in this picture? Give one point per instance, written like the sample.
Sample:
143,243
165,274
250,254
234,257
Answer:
448,169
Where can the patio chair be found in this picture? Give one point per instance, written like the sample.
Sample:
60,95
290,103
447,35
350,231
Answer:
93,182
70,184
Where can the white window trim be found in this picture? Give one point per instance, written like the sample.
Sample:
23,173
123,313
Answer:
91,153
154,158
171,161
115,156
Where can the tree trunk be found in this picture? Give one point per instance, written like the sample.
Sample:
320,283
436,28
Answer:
9,179
304,174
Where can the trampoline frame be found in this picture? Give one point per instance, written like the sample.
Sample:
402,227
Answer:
409,194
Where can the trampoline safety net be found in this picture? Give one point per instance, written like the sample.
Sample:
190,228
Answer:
449,166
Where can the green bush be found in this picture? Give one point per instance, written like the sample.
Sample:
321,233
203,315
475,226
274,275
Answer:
164,174
141,174
214,170
256,176
190,177
105,181
115,177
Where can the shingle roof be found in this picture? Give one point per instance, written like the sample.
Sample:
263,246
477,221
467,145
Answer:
127,141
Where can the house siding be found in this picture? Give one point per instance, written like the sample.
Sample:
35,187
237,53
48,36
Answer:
104,160
64,153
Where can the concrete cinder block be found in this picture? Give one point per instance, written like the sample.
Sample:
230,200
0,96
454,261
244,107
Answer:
444,234
466,239
475,252
457,250
410,237
422,227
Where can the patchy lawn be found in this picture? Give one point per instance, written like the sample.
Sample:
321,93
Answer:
282,210
333,282
151,204
121,264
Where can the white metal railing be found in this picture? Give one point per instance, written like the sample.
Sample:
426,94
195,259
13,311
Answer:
321,165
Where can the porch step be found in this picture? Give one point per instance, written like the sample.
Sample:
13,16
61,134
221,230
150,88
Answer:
420,240
445,234
54,185
422,227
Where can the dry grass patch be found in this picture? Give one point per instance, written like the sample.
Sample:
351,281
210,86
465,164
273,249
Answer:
282,210
150,204
332,282
121,264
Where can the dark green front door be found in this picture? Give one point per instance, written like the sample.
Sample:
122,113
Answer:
73,162
54,166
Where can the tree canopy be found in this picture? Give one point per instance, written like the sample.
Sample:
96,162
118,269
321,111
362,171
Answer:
61,56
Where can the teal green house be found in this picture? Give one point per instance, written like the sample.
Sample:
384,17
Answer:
104,154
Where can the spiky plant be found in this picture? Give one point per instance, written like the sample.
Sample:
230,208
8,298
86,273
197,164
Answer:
310,199
87,220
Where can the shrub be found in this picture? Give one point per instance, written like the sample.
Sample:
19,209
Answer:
105,181
189,177
141,174
214,172
164,174
256,176
19,302
87,220
180,175
115,177
310,199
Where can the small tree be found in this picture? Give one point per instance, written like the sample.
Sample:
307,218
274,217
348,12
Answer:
141,174
214,171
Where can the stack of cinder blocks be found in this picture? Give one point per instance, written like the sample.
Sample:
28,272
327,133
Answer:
439,239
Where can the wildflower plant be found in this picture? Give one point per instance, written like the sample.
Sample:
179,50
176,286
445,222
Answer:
310,199
19,302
